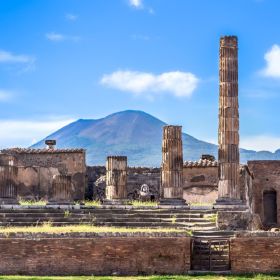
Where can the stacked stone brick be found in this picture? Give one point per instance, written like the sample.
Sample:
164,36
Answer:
116,178
228,121
172,165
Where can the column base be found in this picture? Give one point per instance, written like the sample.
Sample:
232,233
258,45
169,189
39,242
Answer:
173,201
116,202
230,204
9,201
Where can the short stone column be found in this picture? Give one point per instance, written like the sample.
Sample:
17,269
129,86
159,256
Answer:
172,166
61,192
116,179
8,186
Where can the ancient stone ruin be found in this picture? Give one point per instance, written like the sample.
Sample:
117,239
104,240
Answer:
231,209
172,166
116,179
228,188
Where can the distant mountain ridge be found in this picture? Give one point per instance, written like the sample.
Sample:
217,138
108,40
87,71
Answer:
135,134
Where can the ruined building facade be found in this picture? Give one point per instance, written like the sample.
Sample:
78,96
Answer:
37,168
61,175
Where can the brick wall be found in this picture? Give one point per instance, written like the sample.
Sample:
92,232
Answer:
266,178
95,256
255,254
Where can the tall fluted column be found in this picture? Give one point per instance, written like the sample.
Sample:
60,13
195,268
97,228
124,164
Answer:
61,191
172,166
8,186
228,138
116,179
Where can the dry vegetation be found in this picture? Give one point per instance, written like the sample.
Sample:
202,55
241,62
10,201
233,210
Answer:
48,228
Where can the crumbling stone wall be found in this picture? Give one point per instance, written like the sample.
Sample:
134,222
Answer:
246,186
266,177
34,182
36,167
96,182
200,184
136,177
122,254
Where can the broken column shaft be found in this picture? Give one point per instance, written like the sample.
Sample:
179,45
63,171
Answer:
116,178
172,166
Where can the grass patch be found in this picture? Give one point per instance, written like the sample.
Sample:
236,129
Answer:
187,277
211,217
49,228
92,203
40,202
89,203
144,203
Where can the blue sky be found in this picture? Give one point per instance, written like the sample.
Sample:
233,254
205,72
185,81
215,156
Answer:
70,59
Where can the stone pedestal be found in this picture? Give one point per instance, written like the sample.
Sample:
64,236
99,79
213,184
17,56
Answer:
228,186
172,166
8,187
116,179
61,192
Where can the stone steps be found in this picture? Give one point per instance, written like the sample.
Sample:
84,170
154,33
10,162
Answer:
126,225
43,209
104,215
14,222
171,218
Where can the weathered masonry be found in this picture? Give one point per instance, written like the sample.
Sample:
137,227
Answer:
116,178
8,185
266,190
61,191
228,188
95,254
36,169
172,166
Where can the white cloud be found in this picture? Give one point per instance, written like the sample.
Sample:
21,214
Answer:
260,143
71,17
177,83
272,58
8,57
23,133
52,36
136,3
5,95
57,37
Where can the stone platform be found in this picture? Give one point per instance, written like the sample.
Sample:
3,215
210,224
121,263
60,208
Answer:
128,216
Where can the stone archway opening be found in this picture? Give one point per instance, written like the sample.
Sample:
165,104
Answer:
270,207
